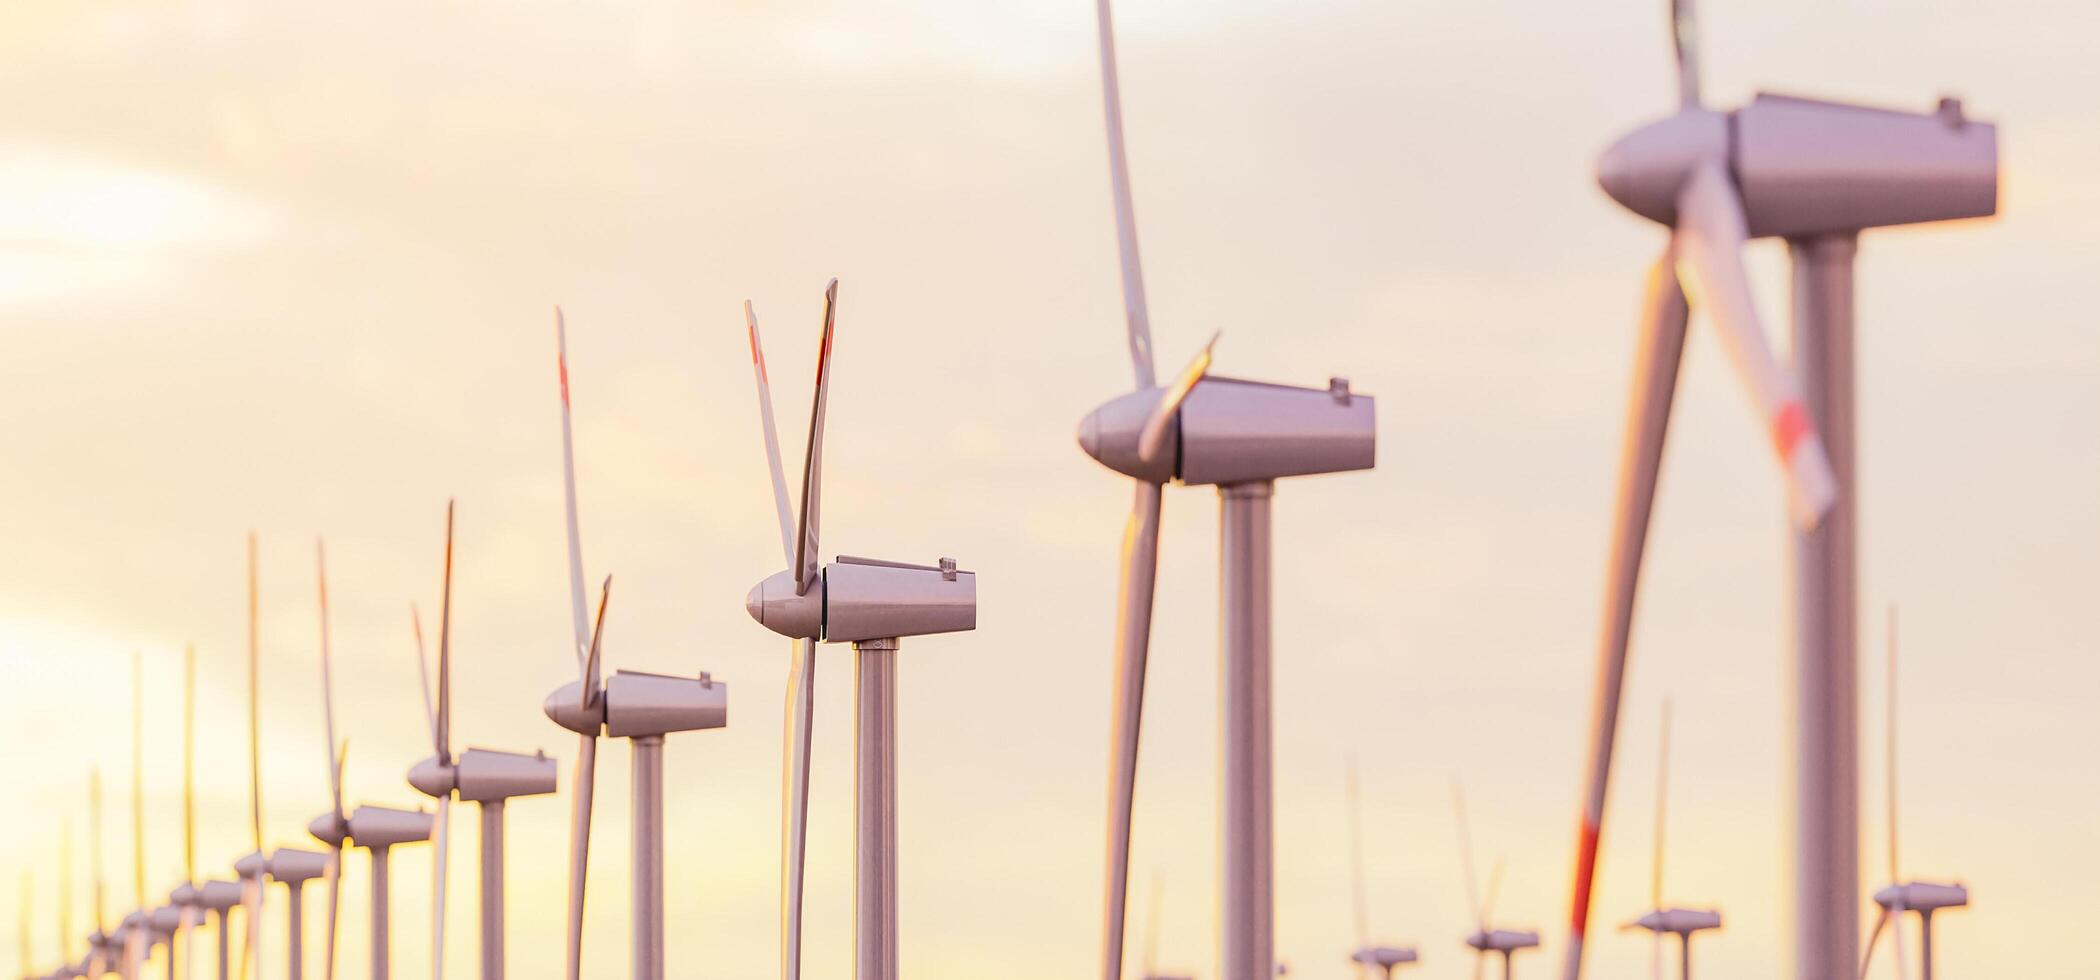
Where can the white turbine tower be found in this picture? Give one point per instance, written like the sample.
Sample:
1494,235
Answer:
1240,436
1815,174
1658,920
483,777
872,604
639,707
1922,897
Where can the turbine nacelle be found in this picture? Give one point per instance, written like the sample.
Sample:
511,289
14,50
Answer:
634,704
165,920
1384,957
1502,940
486,775
218,896
1807,167
857,599
1923,896
1232,431
1682,922
295,867
379,827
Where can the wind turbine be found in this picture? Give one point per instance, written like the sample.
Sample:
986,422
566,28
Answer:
103,951
1484,940
137,926
484,777
377,829
1816,174
1922,897
1152,938
872,604
1240,436
1367,955
642,708
1660,921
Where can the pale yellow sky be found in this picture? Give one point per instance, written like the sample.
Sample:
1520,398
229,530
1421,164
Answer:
290,267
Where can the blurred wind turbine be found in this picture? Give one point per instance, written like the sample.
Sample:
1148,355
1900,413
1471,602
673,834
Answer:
1484,940
484,777
377,829
1241,436
1816,174
872,604
1922,897
1367,956
640,707
1660,921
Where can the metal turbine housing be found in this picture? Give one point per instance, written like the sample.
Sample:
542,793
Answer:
486,775
635,704
1808,167
856,599
1232,431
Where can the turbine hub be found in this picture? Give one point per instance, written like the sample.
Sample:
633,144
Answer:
433,778
775,605
327,828
565,708
1646,169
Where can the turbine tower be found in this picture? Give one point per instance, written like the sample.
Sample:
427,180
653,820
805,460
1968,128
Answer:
1240,436
872,604
377,829
1815,174
642,708
1922,897
484,777
1658,920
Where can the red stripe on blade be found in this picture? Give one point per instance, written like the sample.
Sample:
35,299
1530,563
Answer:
1788,427
1585,875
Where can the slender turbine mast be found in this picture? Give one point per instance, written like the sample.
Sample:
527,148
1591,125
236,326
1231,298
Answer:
642,708
872,604
483,777
1240,436
1816,174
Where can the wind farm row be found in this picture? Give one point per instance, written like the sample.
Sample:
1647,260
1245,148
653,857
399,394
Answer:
1813,173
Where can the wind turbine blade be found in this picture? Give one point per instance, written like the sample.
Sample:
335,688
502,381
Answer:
254,708
335,773
138,785
430,717
772,435
251,914
590,667
22,937
335,895
794,816
1465,853
1654,385
1356,861
1134,312
95,843
189,765
1662,804
578,612
580,847
443,839
807,559
1154,434
1896,935
1494,891
1866,958
1684,37
1895,871
1710,238
444,698
1480,963
1139,572
1150,957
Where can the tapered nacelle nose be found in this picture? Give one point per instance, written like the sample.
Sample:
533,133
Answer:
1233,431
252,864
166,919
327,829
431,778
1647,168
775,605
1503,940
565,708
382,826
